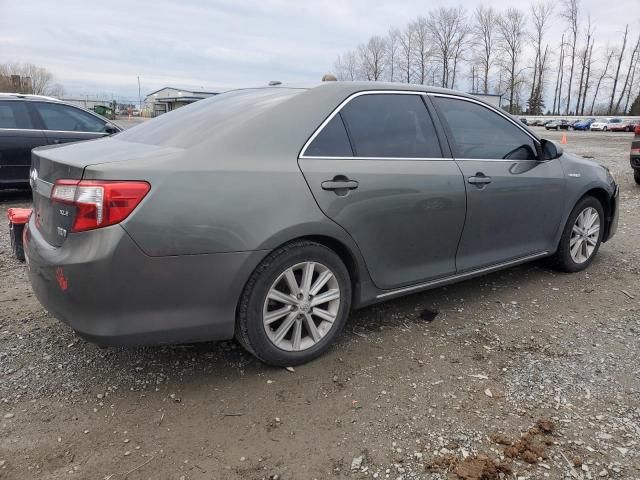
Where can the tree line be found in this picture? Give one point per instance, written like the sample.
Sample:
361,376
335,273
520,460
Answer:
28,78
508,52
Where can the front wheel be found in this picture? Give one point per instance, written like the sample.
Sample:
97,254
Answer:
581,237
294,304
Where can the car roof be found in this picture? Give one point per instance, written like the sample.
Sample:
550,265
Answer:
26,96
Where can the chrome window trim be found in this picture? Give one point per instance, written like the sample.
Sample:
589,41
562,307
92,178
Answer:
488,107
461,276
320,157
340,107
54,131
510,160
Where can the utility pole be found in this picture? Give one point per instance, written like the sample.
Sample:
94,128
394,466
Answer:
139,96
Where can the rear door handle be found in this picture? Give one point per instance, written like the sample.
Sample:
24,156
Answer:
479,179
339,185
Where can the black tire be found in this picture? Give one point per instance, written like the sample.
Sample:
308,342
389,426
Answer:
562,259
636,175
250,330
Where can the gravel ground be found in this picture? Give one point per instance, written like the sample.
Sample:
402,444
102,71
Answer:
523,374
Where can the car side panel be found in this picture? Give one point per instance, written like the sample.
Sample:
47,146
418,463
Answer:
15,153
517,214
406,216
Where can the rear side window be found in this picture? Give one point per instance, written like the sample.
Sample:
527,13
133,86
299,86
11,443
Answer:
332,141
65,118
391,125
14,114
480,133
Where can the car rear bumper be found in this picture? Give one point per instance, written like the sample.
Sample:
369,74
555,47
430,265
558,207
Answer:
104,287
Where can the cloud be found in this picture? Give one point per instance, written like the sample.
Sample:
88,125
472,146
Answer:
94,47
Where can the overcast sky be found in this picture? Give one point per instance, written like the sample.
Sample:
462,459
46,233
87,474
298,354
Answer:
100,47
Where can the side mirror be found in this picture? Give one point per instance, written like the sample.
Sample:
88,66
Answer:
111,129
550,150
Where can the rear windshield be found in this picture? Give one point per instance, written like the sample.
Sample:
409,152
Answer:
189,125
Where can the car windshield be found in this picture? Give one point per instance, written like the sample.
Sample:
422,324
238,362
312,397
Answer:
190,125
615,120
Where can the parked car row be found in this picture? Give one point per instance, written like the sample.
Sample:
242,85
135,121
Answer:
592,124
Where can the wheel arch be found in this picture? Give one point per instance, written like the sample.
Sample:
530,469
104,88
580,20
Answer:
361,285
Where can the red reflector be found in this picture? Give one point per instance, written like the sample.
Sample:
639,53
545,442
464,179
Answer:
18,215
99,203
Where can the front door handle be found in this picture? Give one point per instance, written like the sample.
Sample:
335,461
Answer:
479,179
339,184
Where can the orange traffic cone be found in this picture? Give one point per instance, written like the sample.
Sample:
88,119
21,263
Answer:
564,139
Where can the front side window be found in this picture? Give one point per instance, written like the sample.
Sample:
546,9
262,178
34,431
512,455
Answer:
480,133
66,118
14,114
390,125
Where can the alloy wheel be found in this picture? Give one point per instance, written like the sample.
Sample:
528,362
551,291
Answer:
301,306
585,235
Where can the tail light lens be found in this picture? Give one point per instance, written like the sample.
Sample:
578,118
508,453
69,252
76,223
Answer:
637,129
99,203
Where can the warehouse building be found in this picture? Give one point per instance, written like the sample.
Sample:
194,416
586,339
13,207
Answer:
169,98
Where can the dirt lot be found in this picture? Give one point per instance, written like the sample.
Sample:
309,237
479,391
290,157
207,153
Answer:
399,396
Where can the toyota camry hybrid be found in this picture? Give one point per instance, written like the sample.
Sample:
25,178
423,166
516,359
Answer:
269,214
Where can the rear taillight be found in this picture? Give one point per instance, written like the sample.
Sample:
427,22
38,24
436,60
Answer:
99,203
637,129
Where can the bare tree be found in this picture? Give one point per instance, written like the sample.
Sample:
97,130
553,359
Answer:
459,47
28,78
510,35
484,27
587,85
447,29
421,51
615,78
628,77
631,89
605,72
570,14
540,14
406,39
372,58
392,53
346,66
558,90
584,55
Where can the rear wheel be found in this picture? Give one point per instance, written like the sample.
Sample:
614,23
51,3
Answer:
581,237
294,305
636,175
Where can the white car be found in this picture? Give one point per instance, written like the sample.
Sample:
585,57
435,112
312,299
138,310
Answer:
599,125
